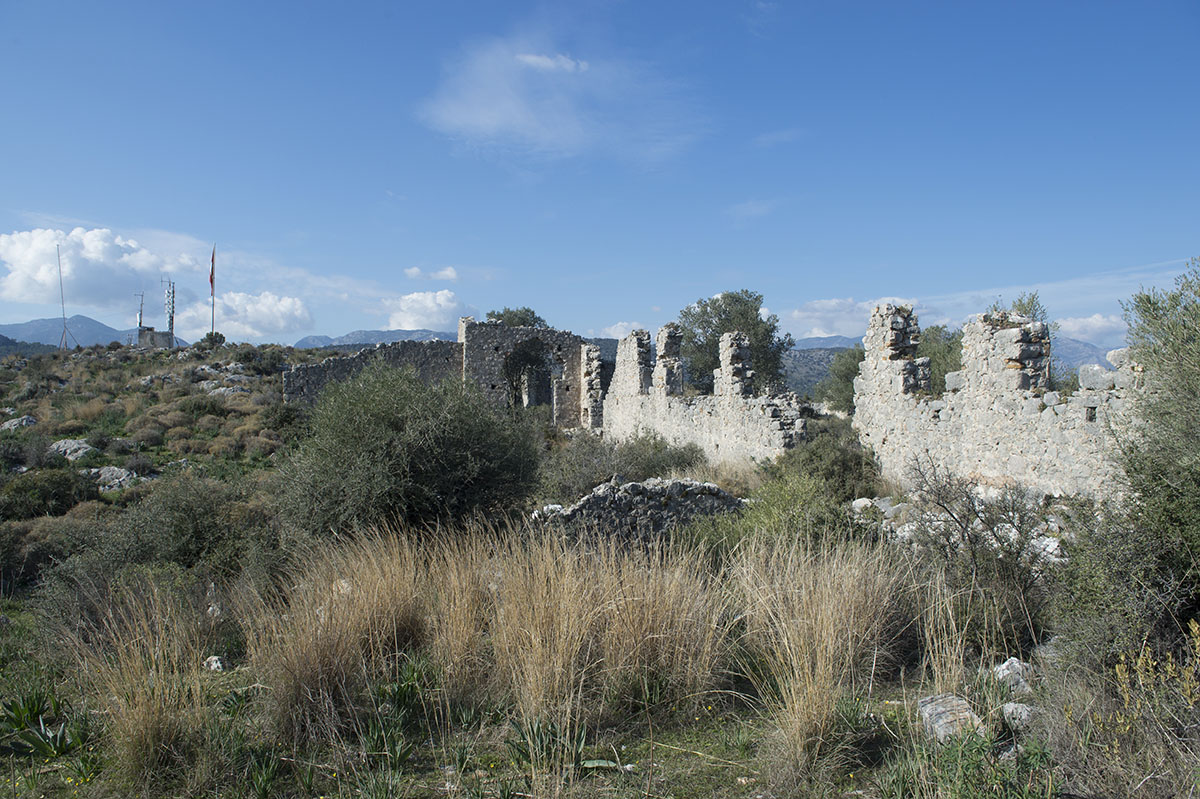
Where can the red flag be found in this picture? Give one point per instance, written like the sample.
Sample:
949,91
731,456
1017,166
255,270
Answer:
212,273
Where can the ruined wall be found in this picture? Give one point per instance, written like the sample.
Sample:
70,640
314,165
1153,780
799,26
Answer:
155,339
434,361
486,346
729,425
996,422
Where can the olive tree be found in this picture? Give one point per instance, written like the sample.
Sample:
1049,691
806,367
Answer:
704,321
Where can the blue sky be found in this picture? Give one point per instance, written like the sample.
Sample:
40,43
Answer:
375,165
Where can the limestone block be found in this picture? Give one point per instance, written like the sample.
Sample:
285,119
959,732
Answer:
955,381
1051,398
1118,358
947,716
1093,377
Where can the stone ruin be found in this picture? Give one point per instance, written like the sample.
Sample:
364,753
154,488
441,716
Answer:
528,366
996,422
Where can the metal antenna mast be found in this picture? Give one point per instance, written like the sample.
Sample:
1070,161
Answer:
169,302
62,343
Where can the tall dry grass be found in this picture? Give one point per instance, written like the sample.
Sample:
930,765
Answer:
819,619
558,630
139,658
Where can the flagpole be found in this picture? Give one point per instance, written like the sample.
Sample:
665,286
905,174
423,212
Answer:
212,288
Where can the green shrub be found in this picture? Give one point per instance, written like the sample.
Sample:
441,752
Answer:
583,461
386,446
944,351
832,453
202,405
982,548
837,389
44,492
1119,588
790,507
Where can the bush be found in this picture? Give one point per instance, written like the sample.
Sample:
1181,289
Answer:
583,461
832,453
45,492
789,507
837,389
981,549
944,351
385,446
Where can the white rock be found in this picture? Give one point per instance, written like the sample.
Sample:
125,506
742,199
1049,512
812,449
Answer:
18,423
1018,716
1015,675
214,663
71,448
946,716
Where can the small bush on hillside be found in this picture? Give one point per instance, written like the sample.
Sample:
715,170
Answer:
575,467
45,492
832,453
982,549
837,389
387,446
1118,589
790,507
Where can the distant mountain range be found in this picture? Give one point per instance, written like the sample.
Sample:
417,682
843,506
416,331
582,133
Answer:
83,329
826,342
365,338
9,346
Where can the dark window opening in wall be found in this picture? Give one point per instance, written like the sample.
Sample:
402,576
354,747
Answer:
1089,414
529,371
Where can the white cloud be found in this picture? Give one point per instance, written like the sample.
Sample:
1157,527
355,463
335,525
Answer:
621,329
840,316
100,269
547,63
518,95
1105,330
417,273
242,316
751,209
431,310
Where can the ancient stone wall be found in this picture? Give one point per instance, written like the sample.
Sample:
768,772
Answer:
729,426
433,361
488,347
996,422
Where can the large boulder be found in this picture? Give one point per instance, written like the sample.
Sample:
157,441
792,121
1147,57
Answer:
651,506
18,423
71,448
947,716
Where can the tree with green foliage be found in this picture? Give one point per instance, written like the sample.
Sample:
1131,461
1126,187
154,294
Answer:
1161,456
944,351
517,317
385,446
1132,575
704,321
211,340
837,389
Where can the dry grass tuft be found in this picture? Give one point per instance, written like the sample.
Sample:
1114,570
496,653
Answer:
819,619
140,659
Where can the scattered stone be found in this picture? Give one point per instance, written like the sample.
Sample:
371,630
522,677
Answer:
8,411
111,478
71,448
860,505
228,391
946,716
215,663
1015,674
647,507
18,423
1018,716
